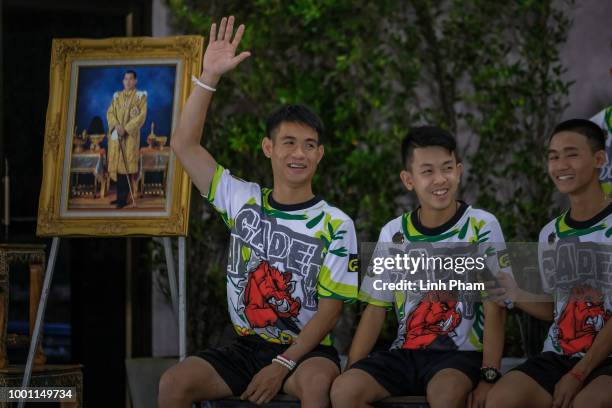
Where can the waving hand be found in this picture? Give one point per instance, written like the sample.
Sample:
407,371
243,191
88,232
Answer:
220,55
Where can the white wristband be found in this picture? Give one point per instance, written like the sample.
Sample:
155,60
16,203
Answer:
283,363
202,84
290,364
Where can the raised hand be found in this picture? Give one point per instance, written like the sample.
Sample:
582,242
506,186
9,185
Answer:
220,55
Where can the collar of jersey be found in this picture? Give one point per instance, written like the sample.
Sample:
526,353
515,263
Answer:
278,210
566,226
415,231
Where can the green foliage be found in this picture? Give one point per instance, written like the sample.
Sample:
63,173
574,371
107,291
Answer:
488,71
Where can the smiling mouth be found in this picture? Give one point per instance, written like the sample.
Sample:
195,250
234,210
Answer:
296,166
565,177
440,192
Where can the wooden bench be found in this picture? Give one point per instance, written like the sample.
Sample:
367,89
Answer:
282,401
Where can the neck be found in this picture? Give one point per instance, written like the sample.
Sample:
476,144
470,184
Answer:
285,194
431,218
588,203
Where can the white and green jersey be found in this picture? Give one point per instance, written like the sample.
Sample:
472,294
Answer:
430,319
574,258
282,258
604,121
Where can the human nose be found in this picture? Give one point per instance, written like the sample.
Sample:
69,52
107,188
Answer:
438,177
560,164
298,151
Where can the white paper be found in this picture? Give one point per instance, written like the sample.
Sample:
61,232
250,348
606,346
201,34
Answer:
114,135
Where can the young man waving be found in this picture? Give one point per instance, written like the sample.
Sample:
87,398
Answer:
288,268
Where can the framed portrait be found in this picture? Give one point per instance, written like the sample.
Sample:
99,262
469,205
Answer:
108,169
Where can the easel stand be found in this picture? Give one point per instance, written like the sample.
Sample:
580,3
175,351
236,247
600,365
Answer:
178,300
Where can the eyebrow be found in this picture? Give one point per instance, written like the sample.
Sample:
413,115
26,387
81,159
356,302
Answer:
565,149
432,165
310,139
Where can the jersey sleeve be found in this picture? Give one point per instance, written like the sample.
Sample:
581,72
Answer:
339,275
546,264
228,194
368,292
600,119
495,250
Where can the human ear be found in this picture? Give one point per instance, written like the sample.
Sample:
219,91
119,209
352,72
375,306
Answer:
600,159
266,146
406,178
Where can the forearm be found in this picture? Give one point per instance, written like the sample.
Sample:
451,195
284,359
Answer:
598,352
193,117
370,325
538,306
539,310
316,329
493,341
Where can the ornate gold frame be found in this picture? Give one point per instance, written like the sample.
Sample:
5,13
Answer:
186,49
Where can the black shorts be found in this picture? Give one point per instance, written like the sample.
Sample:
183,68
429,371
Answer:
407,372
241,360
548,368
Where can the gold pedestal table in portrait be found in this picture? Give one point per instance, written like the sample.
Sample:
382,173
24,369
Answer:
154,160
90,163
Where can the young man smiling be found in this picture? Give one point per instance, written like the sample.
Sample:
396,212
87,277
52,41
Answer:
575,367
438,349
288,266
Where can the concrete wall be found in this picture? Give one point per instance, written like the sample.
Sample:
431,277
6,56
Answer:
588,57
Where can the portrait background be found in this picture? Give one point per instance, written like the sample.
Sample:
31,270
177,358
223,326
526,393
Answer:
97,84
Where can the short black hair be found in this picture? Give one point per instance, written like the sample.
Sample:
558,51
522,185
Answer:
427,136
295,114
131,71
594,134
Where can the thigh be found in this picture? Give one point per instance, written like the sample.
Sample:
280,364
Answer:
456,367
356,381
198,378
596,393
394,370
237,363
517,389
450,383
314,375
546,369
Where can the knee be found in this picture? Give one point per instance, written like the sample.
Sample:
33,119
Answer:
590,400
498,397
316,383
447,392
172,388
446,399
344,393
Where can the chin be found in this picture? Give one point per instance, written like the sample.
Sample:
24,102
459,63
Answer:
567,189
440,206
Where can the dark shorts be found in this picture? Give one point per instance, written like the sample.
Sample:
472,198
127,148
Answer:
548,368
407,372
238,362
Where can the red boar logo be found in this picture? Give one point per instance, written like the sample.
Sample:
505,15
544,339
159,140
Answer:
435,316
268,298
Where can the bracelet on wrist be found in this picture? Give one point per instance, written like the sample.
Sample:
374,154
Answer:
202,84
285,361
579,375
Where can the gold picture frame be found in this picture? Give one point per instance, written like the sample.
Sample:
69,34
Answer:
80,148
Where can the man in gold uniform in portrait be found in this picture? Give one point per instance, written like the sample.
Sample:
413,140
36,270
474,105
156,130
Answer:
125,117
